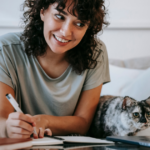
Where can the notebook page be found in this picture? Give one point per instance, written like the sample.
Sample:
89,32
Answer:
46,141
83,139
16,146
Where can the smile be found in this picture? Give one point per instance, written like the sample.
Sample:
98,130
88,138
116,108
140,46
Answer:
61,40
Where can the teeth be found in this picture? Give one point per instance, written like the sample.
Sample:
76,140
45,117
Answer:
61,40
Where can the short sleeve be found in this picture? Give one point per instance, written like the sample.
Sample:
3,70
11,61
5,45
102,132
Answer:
100,74
5,76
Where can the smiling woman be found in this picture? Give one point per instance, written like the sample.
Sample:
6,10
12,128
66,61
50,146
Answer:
55,68
84,17
62,31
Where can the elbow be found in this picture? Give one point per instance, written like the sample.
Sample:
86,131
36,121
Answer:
84,127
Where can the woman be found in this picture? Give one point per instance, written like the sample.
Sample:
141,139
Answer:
55,69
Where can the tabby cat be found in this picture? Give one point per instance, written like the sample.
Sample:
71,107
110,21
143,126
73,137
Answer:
120,116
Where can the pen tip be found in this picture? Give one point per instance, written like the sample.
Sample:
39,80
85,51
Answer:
6,95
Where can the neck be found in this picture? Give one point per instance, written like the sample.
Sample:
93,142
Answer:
51,58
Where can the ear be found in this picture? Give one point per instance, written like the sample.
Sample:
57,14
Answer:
42,14
128,102
148,101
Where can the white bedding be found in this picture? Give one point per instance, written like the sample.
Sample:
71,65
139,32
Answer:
133,81
129,82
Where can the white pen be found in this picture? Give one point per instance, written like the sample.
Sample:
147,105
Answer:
16,106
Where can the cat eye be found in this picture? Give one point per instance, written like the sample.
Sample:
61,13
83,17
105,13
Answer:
136,115
148,114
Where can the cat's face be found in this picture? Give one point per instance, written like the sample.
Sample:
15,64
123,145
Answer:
145,112
135,114
141,116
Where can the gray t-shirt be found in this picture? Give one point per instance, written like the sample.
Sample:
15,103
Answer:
35,91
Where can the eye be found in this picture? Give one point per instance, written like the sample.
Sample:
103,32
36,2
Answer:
136,115
60,16
80,24
148,114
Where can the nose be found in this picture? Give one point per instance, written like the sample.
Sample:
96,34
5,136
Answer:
66,29
143,120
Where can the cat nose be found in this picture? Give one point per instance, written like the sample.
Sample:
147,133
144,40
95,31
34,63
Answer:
143,120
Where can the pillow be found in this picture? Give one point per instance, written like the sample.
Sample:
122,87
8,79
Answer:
139,88
132,63
120,78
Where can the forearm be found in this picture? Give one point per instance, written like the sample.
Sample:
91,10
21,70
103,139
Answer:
64,125
3,127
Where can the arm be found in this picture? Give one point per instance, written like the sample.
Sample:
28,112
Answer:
12,123
80,122
5,107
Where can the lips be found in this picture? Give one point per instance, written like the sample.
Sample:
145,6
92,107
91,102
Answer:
61,38
60,43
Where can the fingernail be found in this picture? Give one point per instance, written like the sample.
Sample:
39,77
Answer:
35,137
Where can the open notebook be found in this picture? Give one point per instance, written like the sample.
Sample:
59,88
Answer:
7,143
52,141
69,146
69,139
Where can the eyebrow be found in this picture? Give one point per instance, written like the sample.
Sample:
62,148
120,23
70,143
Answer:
63,12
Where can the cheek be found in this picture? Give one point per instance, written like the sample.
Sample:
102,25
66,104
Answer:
79,35
136,119
50,25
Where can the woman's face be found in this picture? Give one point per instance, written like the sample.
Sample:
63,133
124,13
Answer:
62,31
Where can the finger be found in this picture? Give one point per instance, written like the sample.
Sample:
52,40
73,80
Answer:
41,132
34,130
34,121
35,135
22,124
17,136
21,116
18,130
48,132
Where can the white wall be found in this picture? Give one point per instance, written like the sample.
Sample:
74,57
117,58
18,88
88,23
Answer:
127,36
127,43
10,15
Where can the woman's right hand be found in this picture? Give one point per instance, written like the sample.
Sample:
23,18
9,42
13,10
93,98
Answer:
19,125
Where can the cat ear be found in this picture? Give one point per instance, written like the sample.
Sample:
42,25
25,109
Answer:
128,102
148,100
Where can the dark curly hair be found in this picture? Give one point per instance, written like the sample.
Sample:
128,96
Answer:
84,55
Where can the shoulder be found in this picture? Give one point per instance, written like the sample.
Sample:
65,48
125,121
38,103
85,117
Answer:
11,47
11,43
10,38
100,45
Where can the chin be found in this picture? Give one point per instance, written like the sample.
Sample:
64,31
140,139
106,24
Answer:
58,52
